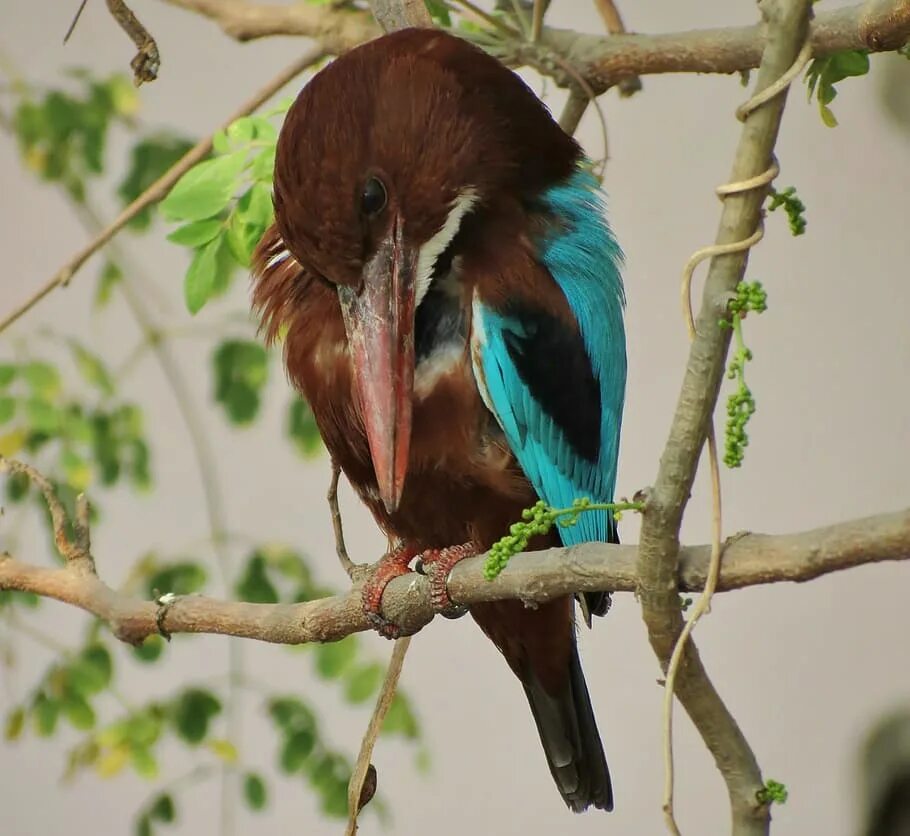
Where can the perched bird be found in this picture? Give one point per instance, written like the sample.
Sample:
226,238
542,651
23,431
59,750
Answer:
449,296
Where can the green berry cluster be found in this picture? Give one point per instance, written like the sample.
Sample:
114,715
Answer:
794,208
539,519
773,792
750,296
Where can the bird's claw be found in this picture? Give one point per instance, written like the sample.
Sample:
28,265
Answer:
439,563
391,565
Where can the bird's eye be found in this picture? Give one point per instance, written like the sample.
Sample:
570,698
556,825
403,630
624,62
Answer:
373,197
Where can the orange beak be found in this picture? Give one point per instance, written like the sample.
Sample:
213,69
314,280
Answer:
379,321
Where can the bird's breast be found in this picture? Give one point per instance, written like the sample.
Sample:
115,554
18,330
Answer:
463,482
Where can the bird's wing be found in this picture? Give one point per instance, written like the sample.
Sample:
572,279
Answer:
556,390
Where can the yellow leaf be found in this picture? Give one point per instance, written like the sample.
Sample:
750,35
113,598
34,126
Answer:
223,749
12,442
112,761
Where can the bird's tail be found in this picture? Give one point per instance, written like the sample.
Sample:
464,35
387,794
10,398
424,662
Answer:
568,732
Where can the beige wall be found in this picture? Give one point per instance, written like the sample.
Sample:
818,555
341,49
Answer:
805,669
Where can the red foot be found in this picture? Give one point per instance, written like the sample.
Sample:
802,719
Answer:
390,565
440,563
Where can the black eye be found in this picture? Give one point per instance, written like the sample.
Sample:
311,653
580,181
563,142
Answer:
373,197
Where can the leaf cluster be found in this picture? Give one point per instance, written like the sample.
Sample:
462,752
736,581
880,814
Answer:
226,205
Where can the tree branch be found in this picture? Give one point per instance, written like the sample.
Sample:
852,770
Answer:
659,550
603,61
879,26
393,15
749,560
336,30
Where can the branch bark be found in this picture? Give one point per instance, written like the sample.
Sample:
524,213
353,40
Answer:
659,550
393,15
603,61
749,560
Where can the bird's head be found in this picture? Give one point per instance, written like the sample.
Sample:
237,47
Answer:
382,156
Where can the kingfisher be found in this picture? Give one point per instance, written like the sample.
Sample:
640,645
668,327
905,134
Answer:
448,294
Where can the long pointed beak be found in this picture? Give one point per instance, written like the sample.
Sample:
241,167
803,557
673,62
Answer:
379,320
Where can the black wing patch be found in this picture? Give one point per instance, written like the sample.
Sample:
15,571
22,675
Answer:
551,360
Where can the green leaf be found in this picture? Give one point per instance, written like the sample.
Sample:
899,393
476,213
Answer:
7,374
7,408
163,809
111,275
182,578
92,368
291,714
92,670
42,417
150,650
335,658
302,429
42,378
254,584
76,470
200,281
192,713
329,775
241,372
17,487
79,713
262,169
144,762
149,158
45,712
206,189
827,115
240,131
249,221
144,826
439,12
363,682
296,749
254,791
197,233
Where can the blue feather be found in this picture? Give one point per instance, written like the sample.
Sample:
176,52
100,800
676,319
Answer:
583,257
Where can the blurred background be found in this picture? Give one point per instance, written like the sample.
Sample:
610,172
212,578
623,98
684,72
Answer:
806,670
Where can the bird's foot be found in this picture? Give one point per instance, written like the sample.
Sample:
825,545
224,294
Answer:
439,564
391,565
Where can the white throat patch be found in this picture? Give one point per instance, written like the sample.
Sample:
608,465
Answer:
436,246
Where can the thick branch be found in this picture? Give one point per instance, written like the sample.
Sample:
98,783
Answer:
749,560
658,561
336,30
879,27
602,61
393,15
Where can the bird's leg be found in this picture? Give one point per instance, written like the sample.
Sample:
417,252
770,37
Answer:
439,563
392,564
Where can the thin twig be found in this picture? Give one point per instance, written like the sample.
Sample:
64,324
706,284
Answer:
76,17
357,798
574,110
340,549
537,14
160,187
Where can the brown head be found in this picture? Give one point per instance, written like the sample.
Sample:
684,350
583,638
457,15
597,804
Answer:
380,158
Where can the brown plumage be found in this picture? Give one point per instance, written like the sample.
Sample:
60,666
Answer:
431,117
